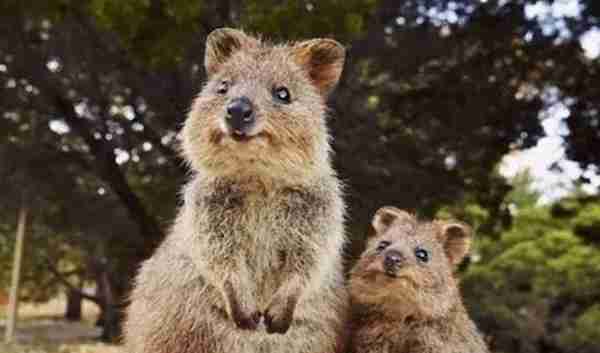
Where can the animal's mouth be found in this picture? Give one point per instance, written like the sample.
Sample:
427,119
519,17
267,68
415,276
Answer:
377,266
391,273
244,138
220,137
395,273
406,282
241,137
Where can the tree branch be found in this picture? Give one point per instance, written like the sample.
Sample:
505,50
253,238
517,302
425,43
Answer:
112,174
62,279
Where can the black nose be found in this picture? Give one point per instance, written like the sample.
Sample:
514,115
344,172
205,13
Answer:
393,259
240,115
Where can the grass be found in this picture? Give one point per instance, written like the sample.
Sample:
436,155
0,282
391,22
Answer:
78,347
41,329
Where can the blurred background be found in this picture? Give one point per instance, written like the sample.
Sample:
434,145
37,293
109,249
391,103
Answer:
483,110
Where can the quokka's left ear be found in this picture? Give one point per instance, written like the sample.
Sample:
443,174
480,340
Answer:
456,238
323,60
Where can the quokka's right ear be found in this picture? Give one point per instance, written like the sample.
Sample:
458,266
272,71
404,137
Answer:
221,44
388,215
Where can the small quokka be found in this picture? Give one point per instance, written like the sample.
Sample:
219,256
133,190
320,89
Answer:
253,262
404,296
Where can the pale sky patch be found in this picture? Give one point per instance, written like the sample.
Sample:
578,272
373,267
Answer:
590,42
121,156
549,151
59,127
559,8
53,65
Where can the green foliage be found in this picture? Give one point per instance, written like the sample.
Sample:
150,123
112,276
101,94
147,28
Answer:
587,222
427,107
347,18
536,286
584,335
125,17
156,32
521,193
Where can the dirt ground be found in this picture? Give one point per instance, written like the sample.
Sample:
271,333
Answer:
41,329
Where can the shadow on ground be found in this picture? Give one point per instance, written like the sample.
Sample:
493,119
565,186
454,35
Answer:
42,329
53,331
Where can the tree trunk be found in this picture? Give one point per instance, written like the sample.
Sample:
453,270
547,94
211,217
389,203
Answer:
111,318
100,295
73,309
13,304
110,311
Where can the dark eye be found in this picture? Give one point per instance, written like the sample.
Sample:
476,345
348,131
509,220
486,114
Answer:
422,254
282,94
382,245
223,87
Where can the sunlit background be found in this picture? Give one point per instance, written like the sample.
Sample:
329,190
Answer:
554,175
487,111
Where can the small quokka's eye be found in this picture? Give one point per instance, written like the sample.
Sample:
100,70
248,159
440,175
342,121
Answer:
422,254
223,87
282,94
382,245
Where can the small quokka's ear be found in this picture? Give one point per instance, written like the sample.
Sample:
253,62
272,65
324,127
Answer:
323,59
221,44
456,238
386,216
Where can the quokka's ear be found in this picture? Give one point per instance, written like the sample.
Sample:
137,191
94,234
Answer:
323,60
221,44
456,238
388,215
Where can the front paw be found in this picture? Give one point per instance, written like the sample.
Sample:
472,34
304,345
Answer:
279,314
245,320
245,317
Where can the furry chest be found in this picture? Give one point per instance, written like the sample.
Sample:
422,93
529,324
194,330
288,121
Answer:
262,231
262,219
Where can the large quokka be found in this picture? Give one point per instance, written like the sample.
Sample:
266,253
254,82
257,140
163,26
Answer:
253,262
404,295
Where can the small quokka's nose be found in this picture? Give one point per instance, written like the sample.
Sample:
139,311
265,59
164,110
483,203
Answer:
240,115
393,259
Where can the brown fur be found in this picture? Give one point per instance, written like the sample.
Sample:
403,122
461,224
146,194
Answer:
257,245
414,306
